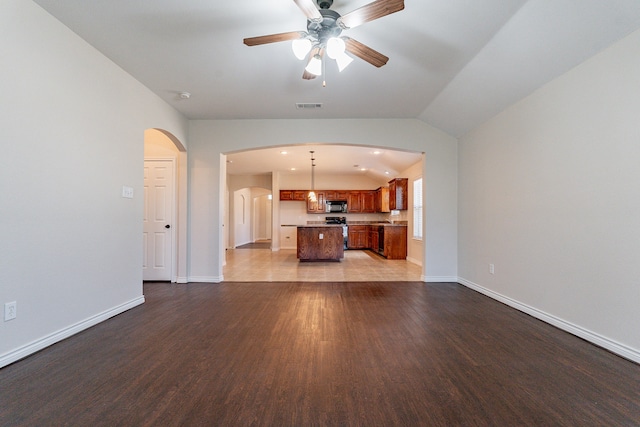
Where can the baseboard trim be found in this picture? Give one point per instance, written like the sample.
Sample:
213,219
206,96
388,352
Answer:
587,335
206,279
46,341
439,279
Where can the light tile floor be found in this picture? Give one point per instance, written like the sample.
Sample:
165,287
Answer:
263,265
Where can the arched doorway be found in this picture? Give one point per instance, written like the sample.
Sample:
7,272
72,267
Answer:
250,216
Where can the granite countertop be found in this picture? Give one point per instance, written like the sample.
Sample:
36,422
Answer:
386,224
319,225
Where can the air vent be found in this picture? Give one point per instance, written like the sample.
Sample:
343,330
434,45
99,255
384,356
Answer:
307,105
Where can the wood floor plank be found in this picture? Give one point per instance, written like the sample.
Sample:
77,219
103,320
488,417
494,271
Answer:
299,353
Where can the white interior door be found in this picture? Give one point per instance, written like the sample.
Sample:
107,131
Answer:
158,219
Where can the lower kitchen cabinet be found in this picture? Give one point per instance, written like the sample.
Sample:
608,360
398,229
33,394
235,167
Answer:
358,237
394,245
390,241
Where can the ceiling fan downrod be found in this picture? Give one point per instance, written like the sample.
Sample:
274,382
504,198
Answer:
324,4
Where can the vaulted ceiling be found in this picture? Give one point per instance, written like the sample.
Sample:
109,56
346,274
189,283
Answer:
453,64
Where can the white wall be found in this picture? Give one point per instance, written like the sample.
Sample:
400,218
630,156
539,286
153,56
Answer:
209,138
72,131
290,181
550,194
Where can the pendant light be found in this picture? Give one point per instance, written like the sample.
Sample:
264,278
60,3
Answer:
312,193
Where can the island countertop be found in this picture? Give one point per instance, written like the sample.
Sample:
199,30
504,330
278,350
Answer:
320,225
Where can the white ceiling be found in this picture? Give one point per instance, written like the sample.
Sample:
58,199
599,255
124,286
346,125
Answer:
377,164
453,63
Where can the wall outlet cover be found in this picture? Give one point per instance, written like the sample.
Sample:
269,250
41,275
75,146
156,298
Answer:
10,310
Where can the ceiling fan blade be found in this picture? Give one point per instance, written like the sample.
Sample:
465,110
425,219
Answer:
309,9
308,76
364,52
315,51
273,38
369,12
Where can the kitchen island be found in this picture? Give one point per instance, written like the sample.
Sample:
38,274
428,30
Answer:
320,242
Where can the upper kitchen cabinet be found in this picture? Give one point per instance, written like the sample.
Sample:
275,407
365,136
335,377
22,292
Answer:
361,201
317,206
399,194
368,200
297,195
335,195
382,199
354,202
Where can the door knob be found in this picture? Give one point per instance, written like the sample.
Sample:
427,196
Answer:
167,226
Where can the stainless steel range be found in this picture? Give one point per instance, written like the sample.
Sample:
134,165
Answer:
339,220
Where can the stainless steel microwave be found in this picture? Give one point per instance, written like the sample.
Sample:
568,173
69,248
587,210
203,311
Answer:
339,206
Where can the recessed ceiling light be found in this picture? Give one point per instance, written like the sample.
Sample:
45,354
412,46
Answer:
386,172
377,152
363,169
284,152
293,169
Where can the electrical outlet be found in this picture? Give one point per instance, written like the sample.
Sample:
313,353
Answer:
491,269
10,310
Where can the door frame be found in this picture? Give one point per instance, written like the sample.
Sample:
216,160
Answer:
173,248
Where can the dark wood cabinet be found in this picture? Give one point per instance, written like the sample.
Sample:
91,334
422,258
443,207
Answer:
318,206
392,246
395,242
320,243
382,199
362,201
358,237
373,237
367,201
358,201
354,202
295,195
335,195
399,194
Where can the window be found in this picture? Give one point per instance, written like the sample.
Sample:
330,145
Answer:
417,209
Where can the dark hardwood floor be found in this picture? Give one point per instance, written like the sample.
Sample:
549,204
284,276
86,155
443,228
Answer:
298,354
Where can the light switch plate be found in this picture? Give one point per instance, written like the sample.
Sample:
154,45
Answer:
127,192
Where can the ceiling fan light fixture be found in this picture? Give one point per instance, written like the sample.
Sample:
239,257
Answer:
315,65
335,47
301,47
343,61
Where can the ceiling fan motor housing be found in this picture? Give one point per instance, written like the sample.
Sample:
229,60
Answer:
326,28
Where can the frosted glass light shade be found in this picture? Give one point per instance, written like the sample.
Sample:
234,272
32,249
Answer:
335,47
343,61
301,48
315,66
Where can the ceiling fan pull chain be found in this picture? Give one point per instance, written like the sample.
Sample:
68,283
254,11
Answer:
324,74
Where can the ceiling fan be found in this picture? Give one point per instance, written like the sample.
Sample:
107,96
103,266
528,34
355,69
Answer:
323,35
